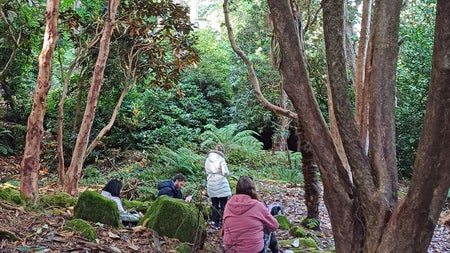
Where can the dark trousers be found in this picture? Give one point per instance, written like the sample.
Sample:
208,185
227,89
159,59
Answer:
218,206
272,241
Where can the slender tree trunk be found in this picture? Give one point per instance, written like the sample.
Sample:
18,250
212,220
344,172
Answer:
35,127
59,130
279,139
311,180
74,171
362,67
108,127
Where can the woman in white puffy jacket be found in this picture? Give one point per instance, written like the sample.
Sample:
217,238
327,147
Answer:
217,186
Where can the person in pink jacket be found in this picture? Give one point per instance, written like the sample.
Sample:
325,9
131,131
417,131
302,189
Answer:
245,219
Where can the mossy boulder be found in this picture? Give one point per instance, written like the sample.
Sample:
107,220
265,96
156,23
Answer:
283,221
175,218
12,195
60,199
92,206
84,228
297,231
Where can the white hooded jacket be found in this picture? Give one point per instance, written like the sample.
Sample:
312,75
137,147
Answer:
217,172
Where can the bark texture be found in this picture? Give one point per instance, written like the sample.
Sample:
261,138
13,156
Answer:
74,171
411,227
338,189
30,165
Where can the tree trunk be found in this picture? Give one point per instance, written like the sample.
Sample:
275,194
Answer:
105,129
411,227
74,171
362,66
311,181
279,139
35,127
338,191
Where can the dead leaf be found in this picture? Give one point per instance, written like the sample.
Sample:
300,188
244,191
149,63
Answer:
112,235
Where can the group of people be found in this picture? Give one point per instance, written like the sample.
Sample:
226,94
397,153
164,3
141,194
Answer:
246,222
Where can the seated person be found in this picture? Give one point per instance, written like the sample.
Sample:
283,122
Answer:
112,191
172,188
248,225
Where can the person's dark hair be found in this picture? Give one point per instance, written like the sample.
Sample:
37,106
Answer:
219,147
179,177
113,186
246,186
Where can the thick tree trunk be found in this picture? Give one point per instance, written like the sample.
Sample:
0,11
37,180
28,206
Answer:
338,191
35,127
74,171
411,227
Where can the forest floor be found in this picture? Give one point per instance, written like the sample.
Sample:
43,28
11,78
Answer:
43,232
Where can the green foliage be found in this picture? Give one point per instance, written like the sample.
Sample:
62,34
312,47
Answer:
5,137
84,228
413,77
239,145
183,160
311,223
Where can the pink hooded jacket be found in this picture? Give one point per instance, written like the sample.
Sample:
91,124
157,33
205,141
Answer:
244,219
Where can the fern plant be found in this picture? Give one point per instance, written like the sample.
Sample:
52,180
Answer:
239,145
5,135
182,160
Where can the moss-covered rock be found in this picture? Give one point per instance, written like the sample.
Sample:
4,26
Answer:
92,206
84,228
297,231
60,199
176,219
136,205
233,183
12,195
308,243
283,221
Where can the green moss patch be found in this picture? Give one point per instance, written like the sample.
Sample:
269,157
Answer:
308,243
11,195
297,231
175,218
92,206
183,248
283,221
60,199
136,205
84,228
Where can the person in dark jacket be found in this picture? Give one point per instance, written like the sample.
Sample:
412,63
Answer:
172,188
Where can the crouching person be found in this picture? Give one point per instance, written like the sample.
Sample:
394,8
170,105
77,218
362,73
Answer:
247,222
112,191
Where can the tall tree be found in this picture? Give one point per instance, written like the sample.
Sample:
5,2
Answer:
364,213
74,171
309,166
35,127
